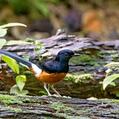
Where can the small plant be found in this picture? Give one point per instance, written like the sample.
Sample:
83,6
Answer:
112,75
3,31
109,80
20,79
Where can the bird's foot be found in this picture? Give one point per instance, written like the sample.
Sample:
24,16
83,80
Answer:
47,89
57,93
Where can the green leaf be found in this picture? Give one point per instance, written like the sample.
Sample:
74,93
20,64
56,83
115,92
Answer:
2,42
15,90
3,32
11,63
108,80
41,5
20,81
12,25
113,84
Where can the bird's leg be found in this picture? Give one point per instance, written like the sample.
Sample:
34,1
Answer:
52,87
47,89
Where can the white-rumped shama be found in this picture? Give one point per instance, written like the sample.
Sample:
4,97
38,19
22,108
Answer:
50,71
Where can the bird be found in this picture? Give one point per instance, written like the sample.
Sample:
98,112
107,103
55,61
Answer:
50,71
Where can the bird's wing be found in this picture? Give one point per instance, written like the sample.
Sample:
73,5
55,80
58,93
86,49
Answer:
51,66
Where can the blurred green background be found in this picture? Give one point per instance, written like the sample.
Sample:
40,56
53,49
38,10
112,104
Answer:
98,19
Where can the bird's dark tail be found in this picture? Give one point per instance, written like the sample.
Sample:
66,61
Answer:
34,68
17,58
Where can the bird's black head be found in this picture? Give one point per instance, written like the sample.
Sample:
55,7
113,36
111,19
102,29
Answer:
64,55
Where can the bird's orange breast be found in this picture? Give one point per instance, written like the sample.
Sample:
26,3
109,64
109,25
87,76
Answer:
51,77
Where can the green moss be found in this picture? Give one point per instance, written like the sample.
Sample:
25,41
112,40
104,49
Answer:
88,59
60,107
76,77
84,77
71,77
14,109
8,99
81,58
